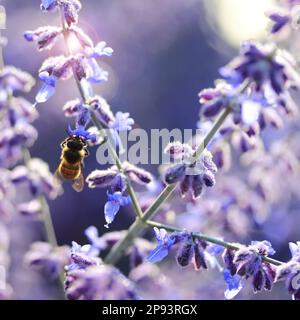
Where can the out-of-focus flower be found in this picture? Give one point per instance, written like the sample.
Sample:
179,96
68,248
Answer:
94,239
83,257
102,282
13,140
37,177
48,5
32,208
113,204
290,271
192,175
265,66
279,21
51,260
13,79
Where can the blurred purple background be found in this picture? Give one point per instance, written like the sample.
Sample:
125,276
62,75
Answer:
165,52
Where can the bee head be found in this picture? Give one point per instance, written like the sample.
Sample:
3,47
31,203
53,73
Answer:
76,143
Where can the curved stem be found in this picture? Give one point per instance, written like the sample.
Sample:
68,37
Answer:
210,239
85,98
139,225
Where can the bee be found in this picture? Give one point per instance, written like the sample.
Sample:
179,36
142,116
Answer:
74,150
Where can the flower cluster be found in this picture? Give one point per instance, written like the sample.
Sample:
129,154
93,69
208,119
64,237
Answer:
192,175
21,185
247,262
189,251
87,278
255,90
46,258
83,64
290,271
117,181
16,116
285,17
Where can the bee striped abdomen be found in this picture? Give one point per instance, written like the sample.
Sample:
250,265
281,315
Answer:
69,171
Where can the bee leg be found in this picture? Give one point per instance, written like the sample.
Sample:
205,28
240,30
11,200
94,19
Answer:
63,144
78,183
86,152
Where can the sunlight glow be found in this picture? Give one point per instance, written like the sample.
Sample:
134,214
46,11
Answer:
240,20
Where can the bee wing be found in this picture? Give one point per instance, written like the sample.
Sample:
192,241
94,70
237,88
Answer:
78,183
58,175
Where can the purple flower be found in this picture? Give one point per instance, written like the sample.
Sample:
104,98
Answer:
122,122
70,9
185,252
32,208
53,69
199,260
96,73
234,284
37,177
191,176
44,36
72,108
47,90
13,79
248,263
99,51
82,133
83,257
110,177
165,243
290,271
102,110
114,202
295,250
137,174
93,236
102,282
48,5
279,21
51,260
264,66
214,100
113,178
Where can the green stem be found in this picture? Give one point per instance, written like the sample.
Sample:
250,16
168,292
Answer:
139,225
85,98
114,156
204,237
